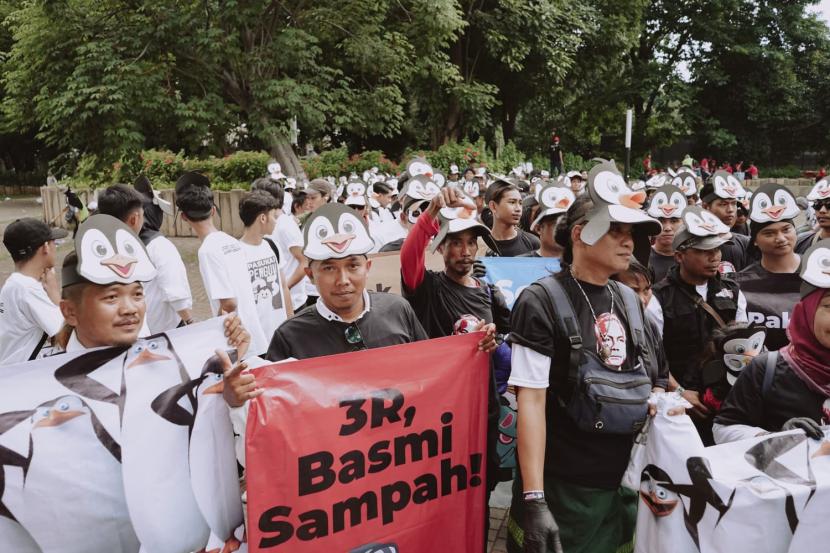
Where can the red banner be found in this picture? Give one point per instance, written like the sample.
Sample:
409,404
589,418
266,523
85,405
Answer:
379,451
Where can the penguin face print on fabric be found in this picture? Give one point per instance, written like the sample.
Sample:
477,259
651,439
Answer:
820,191
58,412
422,187
149,350
334,231
702,223
740,350
668,202
815,266
727,186
686,180
659,500
419,166
772,203
376,548
109,252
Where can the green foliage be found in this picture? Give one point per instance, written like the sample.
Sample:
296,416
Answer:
338,162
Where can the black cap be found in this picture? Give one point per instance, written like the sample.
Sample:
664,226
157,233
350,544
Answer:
26,235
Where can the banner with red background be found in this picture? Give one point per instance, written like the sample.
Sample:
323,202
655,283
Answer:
379,451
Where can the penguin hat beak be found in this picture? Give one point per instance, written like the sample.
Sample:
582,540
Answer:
634,200
339,242
57,418
145,357
122,265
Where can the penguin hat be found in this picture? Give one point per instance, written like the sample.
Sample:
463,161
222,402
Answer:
355,192
821,191
685,179
143,185
553,199
658,180
668,202
772,203
335,231
815,267
459,219
275,170
422,187
108,252
724,186
615,202
701,230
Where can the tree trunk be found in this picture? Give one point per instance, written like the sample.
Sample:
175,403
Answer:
284,154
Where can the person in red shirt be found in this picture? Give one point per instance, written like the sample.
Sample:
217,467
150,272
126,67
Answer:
752,171
822,172
647,163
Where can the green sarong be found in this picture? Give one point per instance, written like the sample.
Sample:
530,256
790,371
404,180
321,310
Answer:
590,520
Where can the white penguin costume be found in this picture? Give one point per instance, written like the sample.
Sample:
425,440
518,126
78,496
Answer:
155,452
101,521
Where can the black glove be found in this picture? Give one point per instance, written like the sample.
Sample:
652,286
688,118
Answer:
541,531
808,425
479,270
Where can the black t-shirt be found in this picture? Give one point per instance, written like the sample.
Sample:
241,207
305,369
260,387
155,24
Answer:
770,298
583,458
523,242
440,301
555,152
660,264
786,398
390,321
534,253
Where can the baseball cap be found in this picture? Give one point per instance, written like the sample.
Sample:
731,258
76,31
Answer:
24,236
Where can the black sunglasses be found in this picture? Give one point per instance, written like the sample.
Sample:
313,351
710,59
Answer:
818,204
354,338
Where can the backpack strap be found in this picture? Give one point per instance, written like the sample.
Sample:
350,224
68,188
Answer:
633,313
567,323
39,347
769,372
273,247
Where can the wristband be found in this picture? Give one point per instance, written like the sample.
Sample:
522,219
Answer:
534,494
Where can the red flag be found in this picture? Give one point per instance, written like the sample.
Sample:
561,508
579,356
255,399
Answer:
378,451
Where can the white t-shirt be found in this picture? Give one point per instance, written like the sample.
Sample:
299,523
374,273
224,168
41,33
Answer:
26,313
169,292
225,274
287,235
264,274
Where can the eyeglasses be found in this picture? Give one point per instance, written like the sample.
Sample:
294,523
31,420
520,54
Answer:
818,204
354,338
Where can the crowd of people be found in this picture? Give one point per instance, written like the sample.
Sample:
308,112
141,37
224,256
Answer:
649,299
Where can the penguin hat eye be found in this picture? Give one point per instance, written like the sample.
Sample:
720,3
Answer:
824,262
40,413
661,200
740,348
677,200
100,249
129,248
67,403
321,232
348,227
